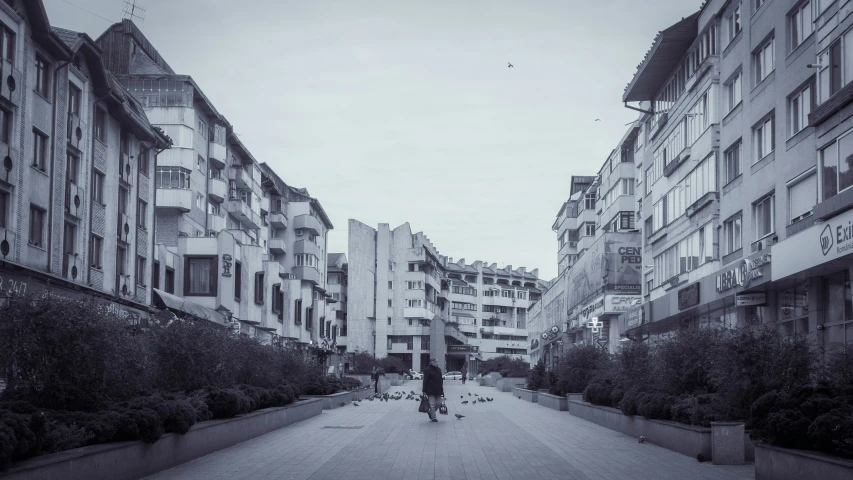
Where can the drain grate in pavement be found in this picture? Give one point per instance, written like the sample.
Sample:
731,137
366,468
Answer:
346,428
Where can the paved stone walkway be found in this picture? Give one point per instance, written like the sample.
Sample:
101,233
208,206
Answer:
504,439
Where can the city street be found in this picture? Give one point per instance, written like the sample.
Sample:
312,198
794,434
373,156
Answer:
504,439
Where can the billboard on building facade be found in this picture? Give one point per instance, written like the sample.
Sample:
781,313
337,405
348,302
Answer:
613,264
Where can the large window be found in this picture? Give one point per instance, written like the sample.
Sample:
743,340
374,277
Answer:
794,309
101,124
732,23
98,187
694,250
200,277
763,137
800,24
306,260
172,177
734,92
97,251
732,160
411,285
40,149
75,97
42,82
836,166
762,213
799,107
37,218
732,234
588,229
259,288
802,197
763,60
238,280
7,44
4,209
6,118
140,270
838,302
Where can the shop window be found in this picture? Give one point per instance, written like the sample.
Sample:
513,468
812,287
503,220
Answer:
838,317
794,309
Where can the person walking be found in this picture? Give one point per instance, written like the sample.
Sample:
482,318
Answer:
374,375
464,372
433,387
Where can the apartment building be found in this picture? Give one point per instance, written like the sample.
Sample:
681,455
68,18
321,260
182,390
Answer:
235,244
76,215
750,74
398,291
336,315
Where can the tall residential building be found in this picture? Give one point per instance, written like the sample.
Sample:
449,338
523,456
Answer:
407,300
76,202
336,314
235,243
743,155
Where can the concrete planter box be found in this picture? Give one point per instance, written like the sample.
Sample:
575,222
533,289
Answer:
554,402
525,394
333,401
133,460
396,379
776,463
685,439
491,379
362,393
384,382
506,384
727,443
578,397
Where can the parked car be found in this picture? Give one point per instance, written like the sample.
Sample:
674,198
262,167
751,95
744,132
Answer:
413,375
453,376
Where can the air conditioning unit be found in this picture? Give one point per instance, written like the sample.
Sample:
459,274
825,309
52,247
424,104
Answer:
124,226
573,244
7,242
10,83
763,244
124,168
9,159
75,130
74,199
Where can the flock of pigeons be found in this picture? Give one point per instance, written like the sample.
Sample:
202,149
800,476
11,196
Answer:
385,397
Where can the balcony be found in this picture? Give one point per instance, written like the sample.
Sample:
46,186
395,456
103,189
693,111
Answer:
308,222
241,177
244,213
417,312
308,274
217,152
215,222
9,172
277,245
451,330
176,198
217,189
277,220
306,246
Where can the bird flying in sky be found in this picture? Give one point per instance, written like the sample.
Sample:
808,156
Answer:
509,65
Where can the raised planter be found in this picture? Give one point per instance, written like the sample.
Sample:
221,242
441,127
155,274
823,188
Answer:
490,379
685,439
727,443
384,382
525,394
333,401
133,460
575,396
554,402
506,384
776,463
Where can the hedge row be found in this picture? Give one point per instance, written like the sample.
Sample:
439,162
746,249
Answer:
330,385
506,365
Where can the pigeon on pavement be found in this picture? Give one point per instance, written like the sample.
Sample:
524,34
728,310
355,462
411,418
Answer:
465,402
460,417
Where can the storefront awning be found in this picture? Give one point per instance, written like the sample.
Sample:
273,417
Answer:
173,302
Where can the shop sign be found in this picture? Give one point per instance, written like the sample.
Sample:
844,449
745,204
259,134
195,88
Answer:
688,296
815,246
634,317
463,349
551,334
226,265
596,307
743,274
621,303
751,299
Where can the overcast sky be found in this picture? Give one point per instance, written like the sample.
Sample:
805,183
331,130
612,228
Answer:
390,111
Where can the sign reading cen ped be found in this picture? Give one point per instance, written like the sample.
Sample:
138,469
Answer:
631,254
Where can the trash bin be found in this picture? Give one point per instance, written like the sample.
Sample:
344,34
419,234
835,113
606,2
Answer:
727,443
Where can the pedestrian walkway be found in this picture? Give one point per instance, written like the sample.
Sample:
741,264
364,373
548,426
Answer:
508,438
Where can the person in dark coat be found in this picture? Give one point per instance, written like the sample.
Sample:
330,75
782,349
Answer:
433,387
464,373
374,375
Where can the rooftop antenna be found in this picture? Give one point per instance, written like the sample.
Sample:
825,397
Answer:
133,11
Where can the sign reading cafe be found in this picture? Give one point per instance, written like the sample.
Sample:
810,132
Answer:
743,274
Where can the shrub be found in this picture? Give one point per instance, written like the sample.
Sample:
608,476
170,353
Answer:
391,364
537,378
833,432
362,363
788,428
576,370
628,403
655,405
226,402
599,391
506,365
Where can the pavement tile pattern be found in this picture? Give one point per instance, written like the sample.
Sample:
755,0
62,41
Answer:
506,439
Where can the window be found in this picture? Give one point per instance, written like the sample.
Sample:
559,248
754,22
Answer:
626,221
732,233
800,24
142,214
589,229
201,164
75,96
589,201
838,303
415,285
414,267
278,301
200,276
123,195
37,216
39,150
390,284
4,209
389,320
734,92
799,107
802,197
758,4
172,177
238,280
101,124
836,165
98,187
42,76
763,138
306,260
121,270
764,60
72,168
170,280
143,162
259,288
7,44
763,217
298,312
733,24
414,303
155,275
140,271
5,126
97,252
390,302
732,160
